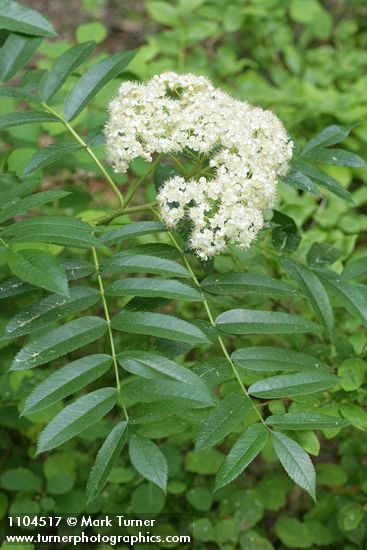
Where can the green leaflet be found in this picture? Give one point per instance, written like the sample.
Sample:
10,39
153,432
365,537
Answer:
337,157
61,230
131,231
16,207
247,447
148,460
77,417
151,288
155,366
271,359
149,391
229,413
17,191
15,53
74,269
39,268
297,179
323,179
18,93
144,263
25,117
162,326
286,385
296,462
247,321
63,67
328,136
106,459
51,308
60,341
313,290
16,18
356,269
305,421
322,254
347,294
67,380
235,283
160,370
93,80
50,154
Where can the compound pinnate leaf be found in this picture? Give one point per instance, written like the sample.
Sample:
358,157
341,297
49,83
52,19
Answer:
67,380
244,451
160,325
93,80
229,413
59,342
247,321
77,417
63,67
296,462
299,383
148,460
40,269
106,459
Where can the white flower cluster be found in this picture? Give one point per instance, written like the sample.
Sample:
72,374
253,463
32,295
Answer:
245,148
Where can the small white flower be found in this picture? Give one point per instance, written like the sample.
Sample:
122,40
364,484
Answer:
248,147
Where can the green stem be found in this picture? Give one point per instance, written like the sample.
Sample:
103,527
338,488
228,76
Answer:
122,212
89,151
108,320
212,322
179,165
131,192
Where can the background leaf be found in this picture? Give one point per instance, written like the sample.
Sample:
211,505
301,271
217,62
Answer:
148,460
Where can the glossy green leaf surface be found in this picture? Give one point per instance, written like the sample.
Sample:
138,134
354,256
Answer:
106,459
150,288
15,53
63,67
160,325
40,269
48,155
305,421
148,460
244,451
51,308
93,80
271,359
25,117
227,416
296,462
247,321
144,263
77,417
59,342
236,283
300,383
67,380
131,231
17,18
